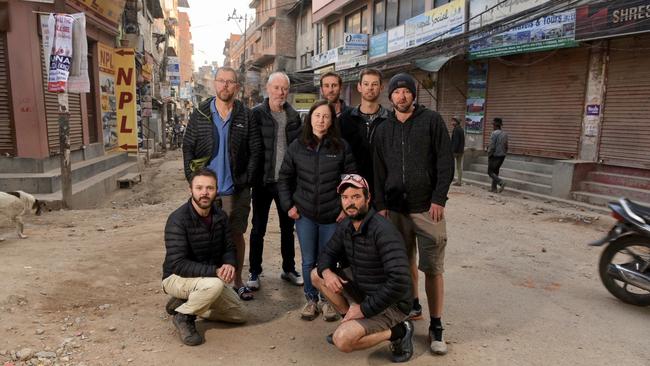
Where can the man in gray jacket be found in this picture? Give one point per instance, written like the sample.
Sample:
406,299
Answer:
497,151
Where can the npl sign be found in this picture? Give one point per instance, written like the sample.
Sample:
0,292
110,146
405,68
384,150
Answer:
125,92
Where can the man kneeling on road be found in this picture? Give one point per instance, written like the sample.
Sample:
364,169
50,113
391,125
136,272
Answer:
377,280
200,261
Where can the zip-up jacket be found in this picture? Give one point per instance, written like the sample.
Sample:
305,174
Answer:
244,142
193,249
268,126
413,163
359,134
377,257
309,177
458,140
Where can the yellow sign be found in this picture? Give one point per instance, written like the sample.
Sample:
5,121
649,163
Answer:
304,100
105,58
108,10
125,80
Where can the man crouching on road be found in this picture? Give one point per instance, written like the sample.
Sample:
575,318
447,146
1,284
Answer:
200,261
377,279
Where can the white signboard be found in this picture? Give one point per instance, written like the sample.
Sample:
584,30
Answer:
355,41
350,62
483,12
436,24
396,39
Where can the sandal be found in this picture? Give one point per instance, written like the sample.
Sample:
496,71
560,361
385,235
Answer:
244,293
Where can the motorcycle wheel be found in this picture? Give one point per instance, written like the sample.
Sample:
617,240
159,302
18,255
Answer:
618,252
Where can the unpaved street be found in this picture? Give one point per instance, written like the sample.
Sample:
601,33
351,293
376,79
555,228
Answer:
522,289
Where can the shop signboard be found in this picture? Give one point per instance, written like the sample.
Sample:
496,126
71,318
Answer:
612,18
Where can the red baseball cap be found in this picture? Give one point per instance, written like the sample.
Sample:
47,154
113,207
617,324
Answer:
354,180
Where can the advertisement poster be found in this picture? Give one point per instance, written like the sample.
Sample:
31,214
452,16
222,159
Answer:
378,45
396,39
612,18
546,33
436,24
125,91
173,71
108,104
476,91
484,12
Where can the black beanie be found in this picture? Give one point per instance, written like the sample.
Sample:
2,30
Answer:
402,80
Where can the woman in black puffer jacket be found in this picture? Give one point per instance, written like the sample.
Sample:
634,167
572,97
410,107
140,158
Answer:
310,173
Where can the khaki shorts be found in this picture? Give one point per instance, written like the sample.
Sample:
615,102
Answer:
237,206
431,239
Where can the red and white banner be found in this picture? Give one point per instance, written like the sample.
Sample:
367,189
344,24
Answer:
60,52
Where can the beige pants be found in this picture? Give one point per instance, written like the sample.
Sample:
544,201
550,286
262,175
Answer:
207,297
431,239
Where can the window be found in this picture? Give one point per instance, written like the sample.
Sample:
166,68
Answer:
390,13
334,35
305,60
437,3
404,10
392,10
304,23
267,37
320,39
380,17
357,22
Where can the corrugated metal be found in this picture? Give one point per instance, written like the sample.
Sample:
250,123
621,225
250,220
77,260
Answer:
6,124
625,137
452,90
424,95
52,116
540,97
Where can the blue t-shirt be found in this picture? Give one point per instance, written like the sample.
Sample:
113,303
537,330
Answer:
220,162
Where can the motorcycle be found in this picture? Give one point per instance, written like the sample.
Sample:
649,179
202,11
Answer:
624,266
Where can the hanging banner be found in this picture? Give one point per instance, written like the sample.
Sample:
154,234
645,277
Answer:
378,45
436,24
396,39
59,51
612,18
174,71
108,105
476,91
125,91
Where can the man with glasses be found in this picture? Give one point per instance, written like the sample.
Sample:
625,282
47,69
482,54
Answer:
224,137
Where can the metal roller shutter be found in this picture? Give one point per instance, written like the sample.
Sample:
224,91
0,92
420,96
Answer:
540,97
625,137
52,116
6,124
452,90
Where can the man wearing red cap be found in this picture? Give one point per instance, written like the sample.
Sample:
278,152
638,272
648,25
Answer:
376,278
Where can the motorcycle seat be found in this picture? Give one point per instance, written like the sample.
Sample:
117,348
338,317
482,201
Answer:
640,210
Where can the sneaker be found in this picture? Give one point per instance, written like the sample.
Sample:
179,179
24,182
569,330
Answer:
253,282
172,304
502,186
458,184
187,329
329,313
330,338
402,349
310,310
293,277
416,312
438,344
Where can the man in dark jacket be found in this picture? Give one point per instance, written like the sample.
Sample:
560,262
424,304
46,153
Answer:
223,136
497,151
458,148
200,260
358,124
330,89
413,170
280,125
377,279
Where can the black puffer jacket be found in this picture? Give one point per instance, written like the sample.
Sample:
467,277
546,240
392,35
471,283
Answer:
244,141
268,125
308,179
193,250
359,135
377,257
413,162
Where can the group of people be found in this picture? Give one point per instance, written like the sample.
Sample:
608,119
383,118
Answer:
365,188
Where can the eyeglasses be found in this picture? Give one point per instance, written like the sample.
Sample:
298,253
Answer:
226,82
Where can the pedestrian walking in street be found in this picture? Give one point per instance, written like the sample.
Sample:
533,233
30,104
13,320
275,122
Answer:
497,151
223,136
200,261
458,148
377,280
330,89
414,168
310,173
358,124
280,125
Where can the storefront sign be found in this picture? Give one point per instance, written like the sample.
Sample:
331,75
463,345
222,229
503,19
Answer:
378,45
325,58
396,39
350,62
355,41
612,18
484,12
108,104
108,10
436,24
173,71
593,109
546,33
476,87
304,100
125,90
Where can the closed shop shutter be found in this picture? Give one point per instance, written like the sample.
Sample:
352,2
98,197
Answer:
6,125
625,137
452,90
425,96
52,116
540,97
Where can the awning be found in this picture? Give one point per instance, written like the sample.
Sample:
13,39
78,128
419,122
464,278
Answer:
433,64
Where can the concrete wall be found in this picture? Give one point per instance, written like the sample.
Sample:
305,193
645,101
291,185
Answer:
304,41
594,95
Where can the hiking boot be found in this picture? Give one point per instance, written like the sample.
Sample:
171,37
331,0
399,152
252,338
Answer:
330,338
402,349
187,329
172,304
293,277
416,312
310,310
438,344
253,282
329,313
502,186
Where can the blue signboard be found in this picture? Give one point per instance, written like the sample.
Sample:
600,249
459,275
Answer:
378,45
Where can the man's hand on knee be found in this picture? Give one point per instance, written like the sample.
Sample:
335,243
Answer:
333,282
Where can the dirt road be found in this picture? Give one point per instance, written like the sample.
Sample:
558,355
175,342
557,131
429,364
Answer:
522,289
